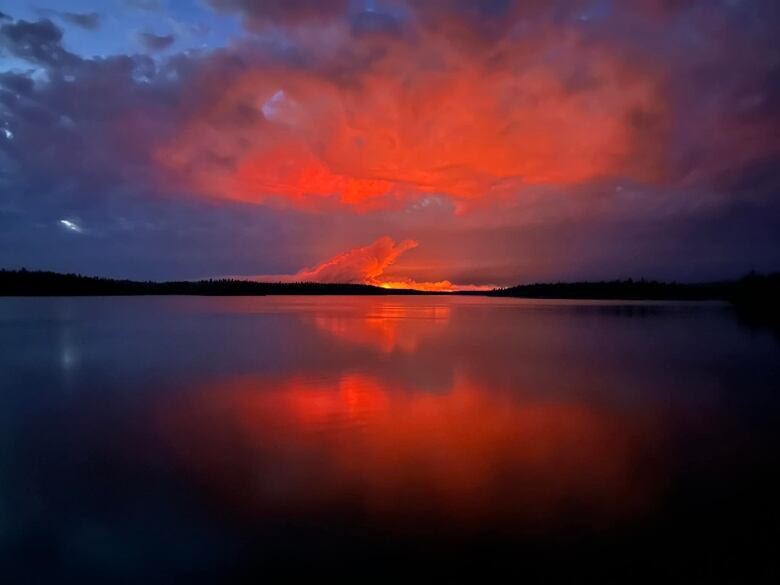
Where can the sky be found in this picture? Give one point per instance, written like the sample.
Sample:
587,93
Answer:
441,144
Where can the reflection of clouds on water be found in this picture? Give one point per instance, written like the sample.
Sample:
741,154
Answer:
387,326
466,454
148,427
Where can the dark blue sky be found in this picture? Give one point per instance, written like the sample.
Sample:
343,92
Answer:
511,141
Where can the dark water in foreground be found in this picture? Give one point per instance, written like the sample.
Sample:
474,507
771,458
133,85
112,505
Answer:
219,439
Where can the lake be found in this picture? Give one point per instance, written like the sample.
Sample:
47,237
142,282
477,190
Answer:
156,439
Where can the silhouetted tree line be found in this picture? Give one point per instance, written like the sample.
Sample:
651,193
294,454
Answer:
41,283
752,294
754,290
755,297
619,290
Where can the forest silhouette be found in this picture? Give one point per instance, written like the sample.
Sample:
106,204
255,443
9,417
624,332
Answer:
753,294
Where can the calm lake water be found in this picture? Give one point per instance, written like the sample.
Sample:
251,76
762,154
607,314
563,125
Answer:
156,439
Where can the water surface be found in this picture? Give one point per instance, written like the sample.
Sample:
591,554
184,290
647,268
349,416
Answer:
188,438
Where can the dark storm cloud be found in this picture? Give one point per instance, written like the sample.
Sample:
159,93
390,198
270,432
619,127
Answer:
77,142
81,150
90,117
38,42
154,42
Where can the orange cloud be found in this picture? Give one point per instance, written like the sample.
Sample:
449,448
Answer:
397,119
361,265
367,265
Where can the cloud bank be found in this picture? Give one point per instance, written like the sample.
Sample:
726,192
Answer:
376,119
539,140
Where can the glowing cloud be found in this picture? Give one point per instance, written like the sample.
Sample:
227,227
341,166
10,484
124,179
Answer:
405,119
367,265
361,265
70,226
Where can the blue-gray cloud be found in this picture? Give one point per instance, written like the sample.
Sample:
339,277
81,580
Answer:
154,42
85,20
39,42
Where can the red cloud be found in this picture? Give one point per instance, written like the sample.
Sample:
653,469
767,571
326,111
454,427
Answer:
367,265
361,265
396,119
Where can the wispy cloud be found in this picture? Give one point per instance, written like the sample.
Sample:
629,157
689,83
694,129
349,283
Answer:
367,265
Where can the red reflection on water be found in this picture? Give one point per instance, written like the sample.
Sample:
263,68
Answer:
386,326
468,455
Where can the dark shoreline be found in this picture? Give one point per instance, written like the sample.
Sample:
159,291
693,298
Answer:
43,283
753,292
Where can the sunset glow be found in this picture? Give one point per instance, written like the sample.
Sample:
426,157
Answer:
454,120
389,290
367,265
512,141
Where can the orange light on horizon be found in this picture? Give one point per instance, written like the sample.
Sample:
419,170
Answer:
367,265
442,286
